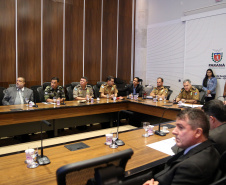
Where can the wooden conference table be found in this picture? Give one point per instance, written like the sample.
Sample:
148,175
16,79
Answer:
15,114
13,170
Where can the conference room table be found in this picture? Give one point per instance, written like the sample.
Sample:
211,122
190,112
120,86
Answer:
16,114
13,170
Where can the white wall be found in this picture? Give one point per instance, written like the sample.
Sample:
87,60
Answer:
163,52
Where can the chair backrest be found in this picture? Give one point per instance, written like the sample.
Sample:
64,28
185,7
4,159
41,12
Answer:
69,90
45,84
199,87
35,93
121,86
79,173
222,167
169,94
40,92
69,93
1,94
96,89
202,93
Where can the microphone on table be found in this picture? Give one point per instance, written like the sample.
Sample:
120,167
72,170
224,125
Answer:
174,101
41,159
159,132
118,141
35,102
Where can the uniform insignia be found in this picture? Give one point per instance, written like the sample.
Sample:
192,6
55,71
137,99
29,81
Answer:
46,92
195,93
191,93
75,89
102,86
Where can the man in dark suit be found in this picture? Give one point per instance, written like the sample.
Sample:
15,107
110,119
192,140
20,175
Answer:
198,162
17,95
216,111
135,87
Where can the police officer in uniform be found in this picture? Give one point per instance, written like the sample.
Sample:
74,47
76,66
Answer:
54,91
109,88
188,94
81,91
160,90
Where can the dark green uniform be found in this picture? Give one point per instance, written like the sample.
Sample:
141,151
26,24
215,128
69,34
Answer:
50,92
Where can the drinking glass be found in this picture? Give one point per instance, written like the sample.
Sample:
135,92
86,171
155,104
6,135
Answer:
27,101
54,99
164,99
114,138
145,127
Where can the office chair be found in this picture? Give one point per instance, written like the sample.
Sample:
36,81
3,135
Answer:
69,89
35,92
222,166
96,89
80,173
169,94
41,90
121,86
202,93
1,94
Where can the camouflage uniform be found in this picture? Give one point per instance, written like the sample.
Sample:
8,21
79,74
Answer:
78,91
192,94
50,92
162,91
106,89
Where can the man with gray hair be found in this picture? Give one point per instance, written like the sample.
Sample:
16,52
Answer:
17,95
188,93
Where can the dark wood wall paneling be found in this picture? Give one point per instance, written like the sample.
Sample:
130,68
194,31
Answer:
125,35
74,41
92,40
109,38
52,40
29,41
7,43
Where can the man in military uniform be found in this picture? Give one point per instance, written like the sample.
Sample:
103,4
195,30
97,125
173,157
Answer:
188,94
81,91
160,90
109,88
54,91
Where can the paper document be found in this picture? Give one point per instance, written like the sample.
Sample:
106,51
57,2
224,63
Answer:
189,105
164,146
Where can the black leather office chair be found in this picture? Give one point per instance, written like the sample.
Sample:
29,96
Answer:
35,93
81,172
69,88
41,90
121,86
202,93
169,92
222,166
1,94
96,89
